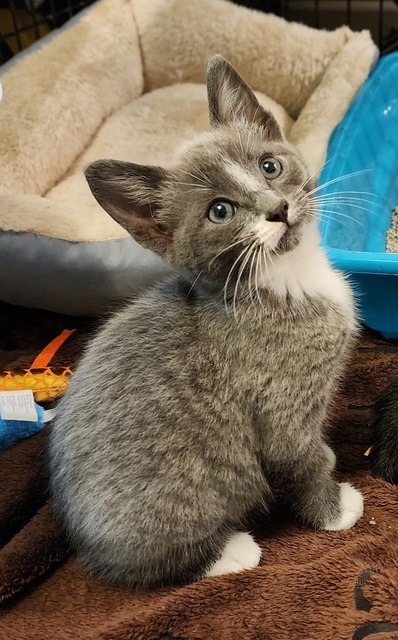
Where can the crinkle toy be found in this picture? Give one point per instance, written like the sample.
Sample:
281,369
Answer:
20,417
20,414
46,383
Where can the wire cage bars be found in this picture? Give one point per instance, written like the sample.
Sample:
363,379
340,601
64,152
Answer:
22,22
380,17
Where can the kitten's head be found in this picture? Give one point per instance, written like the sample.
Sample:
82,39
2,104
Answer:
234,198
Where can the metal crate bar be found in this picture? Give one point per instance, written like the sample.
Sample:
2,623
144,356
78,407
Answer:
24,21
379,16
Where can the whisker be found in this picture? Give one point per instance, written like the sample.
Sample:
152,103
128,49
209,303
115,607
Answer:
195,281
352,204
188,173
339,179
270,257
317,214
261,254
241,270
341,201
349,194
356,193
341,215
318,217
254,254
319,211
348,201
231,246
344,205
202,173
342,196
194,187
320,167
265,260
229,276
204,181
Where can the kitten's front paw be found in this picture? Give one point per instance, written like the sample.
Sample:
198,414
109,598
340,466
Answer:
351,509
241,552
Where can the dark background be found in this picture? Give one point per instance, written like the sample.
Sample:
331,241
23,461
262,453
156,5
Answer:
22,22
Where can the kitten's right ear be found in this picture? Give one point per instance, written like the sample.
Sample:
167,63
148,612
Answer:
130,194
232,101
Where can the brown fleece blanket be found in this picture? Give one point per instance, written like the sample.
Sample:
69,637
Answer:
312,586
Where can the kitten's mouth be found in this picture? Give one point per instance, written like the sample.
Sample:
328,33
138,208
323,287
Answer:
289,224
290,238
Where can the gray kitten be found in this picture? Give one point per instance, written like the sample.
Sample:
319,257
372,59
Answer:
194,401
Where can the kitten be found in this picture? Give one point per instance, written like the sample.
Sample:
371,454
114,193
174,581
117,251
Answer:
384,454
195,399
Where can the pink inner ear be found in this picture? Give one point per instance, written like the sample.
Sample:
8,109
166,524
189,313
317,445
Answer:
230,98
147,232
268,122
128,192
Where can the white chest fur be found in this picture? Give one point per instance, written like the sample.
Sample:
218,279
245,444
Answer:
306,271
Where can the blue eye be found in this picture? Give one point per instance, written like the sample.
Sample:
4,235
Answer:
221,211
270,167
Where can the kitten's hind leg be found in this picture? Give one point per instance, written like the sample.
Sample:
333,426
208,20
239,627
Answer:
241,552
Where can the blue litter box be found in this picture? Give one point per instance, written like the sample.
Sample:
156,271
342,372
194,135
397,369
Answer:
354,226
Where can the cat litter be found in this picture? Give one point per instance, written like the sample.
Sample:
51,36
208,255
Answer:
392,233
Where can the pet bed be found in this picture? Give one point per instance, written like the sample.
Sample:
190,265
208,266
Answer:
125,80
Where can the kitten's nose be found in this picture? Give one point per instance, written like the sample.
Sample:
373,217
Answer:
280,213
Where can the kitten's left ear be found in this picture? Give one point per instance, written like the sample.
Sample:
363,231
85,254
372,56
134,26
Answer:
130,194
231,99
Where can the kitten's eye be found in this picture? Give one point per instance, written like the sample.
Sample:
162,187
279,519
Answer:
221,211
270,167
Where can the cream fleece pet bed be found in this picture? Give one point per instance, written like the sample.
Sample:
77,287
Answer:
125,81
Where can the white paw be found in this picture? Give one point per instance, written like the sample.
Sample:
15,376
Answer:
330,456
351,506
240,552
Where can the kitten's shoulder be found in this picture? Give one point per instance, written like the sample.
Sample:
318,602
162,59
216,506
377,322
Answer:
168,299
162,315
